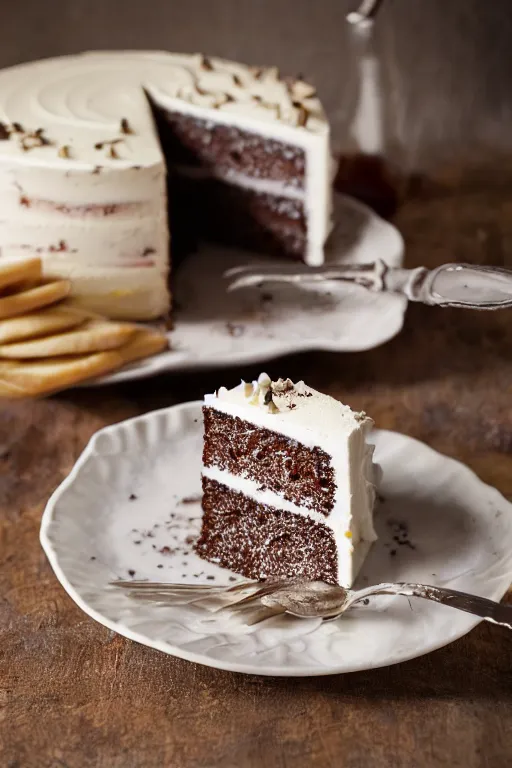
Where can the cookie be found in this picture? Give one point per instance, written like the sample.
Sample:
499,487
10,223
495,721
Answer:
19,272
33,298
42,377
42,322
92,336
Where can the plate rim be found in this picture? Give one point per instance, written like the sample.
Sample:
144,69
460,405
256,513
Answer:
501,586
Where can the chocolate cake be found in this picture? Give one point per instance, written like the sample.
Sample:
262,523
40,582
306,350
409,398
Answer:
93,147
288,483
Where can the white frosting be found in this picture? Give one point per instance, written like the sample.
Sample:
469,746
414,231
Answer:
314,420
78,102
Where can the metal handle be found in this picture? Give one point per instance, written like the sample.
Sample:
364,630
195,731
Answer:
462,285
478,606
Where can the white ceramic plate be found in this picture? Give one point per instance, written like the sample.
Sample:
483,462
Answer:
128,506
214,328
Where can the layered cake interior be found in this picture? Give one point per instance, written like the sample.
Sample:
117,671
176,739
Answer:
288,483
89,142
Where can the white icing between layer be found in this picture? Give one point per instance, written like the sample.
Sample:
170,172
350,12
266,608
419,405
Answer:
266,186
319,421
79,101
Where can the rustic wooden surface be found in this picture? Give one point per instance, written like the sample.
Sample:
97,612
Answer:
73,693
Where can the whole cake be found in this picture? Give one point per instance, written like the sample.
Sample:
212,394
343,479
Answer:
88,142
288,483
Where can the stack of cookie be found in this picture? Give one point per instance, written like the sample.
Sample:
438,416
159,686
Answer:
47,344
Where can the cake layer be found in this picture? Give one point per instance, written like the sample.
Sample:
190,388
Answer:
237,216
192,141
301,475
259,541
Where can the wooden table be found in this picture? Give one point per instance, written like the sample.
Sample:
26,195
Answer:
73,693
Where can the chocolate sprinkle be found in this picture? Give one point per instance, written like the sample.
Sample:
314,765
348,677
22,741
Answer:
132,497
18,128
4,132
131,572
148,251
206,64
189,500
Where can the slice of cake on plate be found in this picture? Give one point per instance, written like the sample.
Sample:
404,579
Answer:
87,143
288,483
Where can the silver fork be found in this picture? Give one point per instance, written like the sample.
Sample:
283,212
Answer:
305,599
451,285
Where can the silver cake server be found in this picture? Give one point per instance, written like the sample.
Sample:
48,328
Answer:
260,600
451,285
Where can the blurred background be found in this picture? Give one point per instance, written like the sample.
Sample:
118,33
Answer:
446,64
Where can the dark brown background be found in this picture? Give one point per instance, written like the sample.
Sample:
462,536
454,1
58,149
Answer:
72,693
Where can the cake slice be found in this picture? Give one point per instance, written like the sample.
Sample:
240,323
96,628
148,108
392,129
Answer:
288,483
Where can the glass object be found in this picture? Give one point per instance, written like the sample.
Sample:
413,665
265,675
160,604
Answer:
366,167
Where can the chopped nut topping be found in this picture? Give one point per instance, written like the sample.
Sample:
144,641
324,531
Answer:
271,73
302,90
206,64
302,117
125,127
36,139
